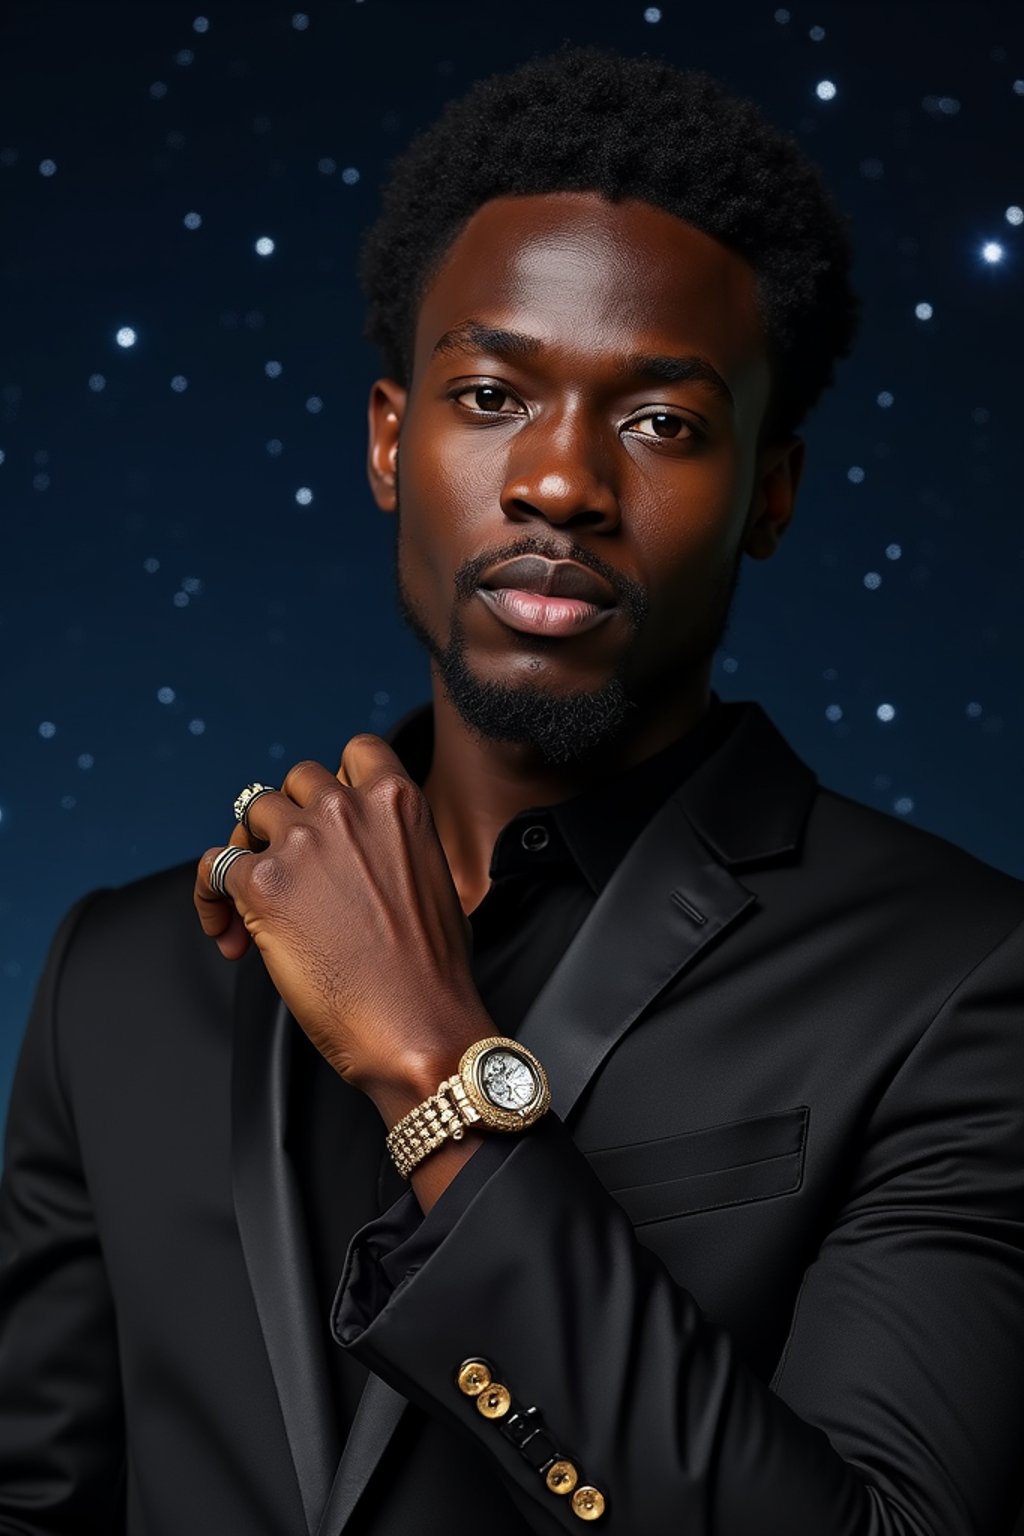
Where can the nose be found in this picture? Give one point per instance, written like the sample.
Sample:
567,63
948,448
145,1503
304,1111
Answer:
561,471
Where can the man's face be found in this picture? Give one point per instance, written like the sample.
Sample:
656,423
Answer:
570,447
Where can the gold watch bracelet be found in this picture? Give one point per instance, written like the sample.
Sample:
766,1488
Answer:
445,1116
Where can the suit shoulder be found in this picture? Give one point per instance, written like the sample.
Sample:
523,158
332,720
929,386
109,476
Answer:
163,897
143,932
863,837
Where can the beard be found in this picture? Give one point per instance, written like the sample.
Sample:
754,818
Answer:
562,728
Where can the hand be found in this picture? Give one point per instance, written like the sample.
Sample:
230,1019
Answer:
352,905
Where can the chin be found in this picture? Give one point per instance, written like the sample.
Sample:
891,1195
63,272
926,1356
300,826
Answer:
563,727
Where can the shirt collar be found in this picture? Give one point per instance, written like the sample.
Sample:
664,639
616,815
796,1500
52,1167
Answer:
594,828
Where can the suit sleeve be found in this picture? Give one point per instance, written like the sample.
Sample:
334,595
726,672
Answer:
62,1450
897,1407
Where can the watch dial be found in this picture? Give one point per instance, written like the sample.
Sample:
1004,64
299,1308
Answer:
508,1081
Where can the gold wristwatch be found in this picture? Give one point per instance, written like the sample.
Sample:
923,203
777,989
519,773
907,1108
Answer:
500,1086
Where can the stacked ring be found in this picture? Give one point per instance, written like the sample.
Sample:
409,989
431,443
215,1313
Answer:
221,864
250,793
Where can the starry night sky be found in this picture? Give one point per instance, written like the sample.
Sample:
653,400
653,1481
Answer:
196,588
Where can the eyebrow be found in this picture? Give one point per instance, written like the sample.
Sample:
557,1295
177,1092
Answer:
471,336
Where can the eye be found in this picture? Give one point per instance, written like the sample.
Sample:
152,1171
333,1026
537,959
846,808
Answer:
492,400
667,426
488,399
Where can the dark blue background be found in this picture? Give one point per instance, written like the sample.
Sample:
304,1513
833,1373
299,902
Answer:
152,540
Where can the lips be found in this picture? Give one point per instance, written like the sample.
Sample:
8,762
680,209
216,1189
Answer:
550,578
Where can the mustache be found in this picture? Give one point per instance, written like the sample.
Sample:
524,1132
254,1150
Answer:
469,574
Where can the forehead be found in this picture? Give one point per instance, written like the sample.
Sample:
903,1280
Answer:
591,277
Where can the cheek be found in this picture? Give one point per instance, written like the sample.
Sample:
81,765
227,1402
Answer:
468,475
446,497
454,480
691,514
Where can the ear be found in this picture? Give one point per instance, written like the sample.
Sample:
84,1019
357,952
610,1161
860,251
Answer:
384,414
772,504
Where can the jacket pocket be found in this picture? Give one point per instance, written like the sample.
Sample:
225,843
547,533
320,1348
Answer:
720,1165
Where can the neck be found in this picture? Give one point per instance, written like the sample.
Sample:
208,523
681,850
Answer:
475,786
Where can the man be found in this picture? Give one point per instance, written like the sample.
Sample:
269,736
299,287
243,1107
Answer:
758,1269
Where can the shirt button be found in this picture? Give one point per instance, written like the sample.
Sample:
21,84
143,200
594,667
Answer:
588,1503
535,838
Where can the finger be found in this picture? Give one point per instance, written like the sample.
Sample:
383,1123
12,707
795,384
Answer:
218,916
234,940
366,758
307,779
242,837
204,889
256,842
268,816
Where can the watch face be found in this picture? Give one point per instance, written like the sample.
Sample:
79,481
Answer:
508,1081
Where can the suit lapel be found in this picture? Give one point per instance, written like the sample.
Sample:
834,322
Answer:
664,904
671,897
272,1228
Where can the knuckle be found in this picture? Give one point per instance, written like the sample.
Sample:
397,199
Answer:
299,840
330,805
268,878
394,788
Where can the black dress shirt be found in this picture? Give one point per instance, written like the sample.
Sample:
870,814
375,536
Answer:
547,869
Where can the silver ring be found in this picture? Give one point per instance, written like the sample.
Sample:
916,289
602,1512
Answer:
250,793
221,864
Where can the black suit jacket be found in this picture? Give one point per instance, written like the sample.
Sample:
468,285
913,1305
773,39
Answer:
761,1272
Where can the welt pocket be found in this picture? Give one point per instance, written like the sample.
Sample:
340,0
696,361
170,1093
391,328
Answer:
698,1170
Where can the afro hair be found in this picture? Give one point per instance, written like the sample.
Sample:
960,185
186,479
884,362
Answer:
585,119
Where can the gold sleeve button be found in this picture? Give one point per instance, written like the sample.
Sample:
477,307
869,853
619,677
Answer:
561,1477
474,1376
588,1503
493,1402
